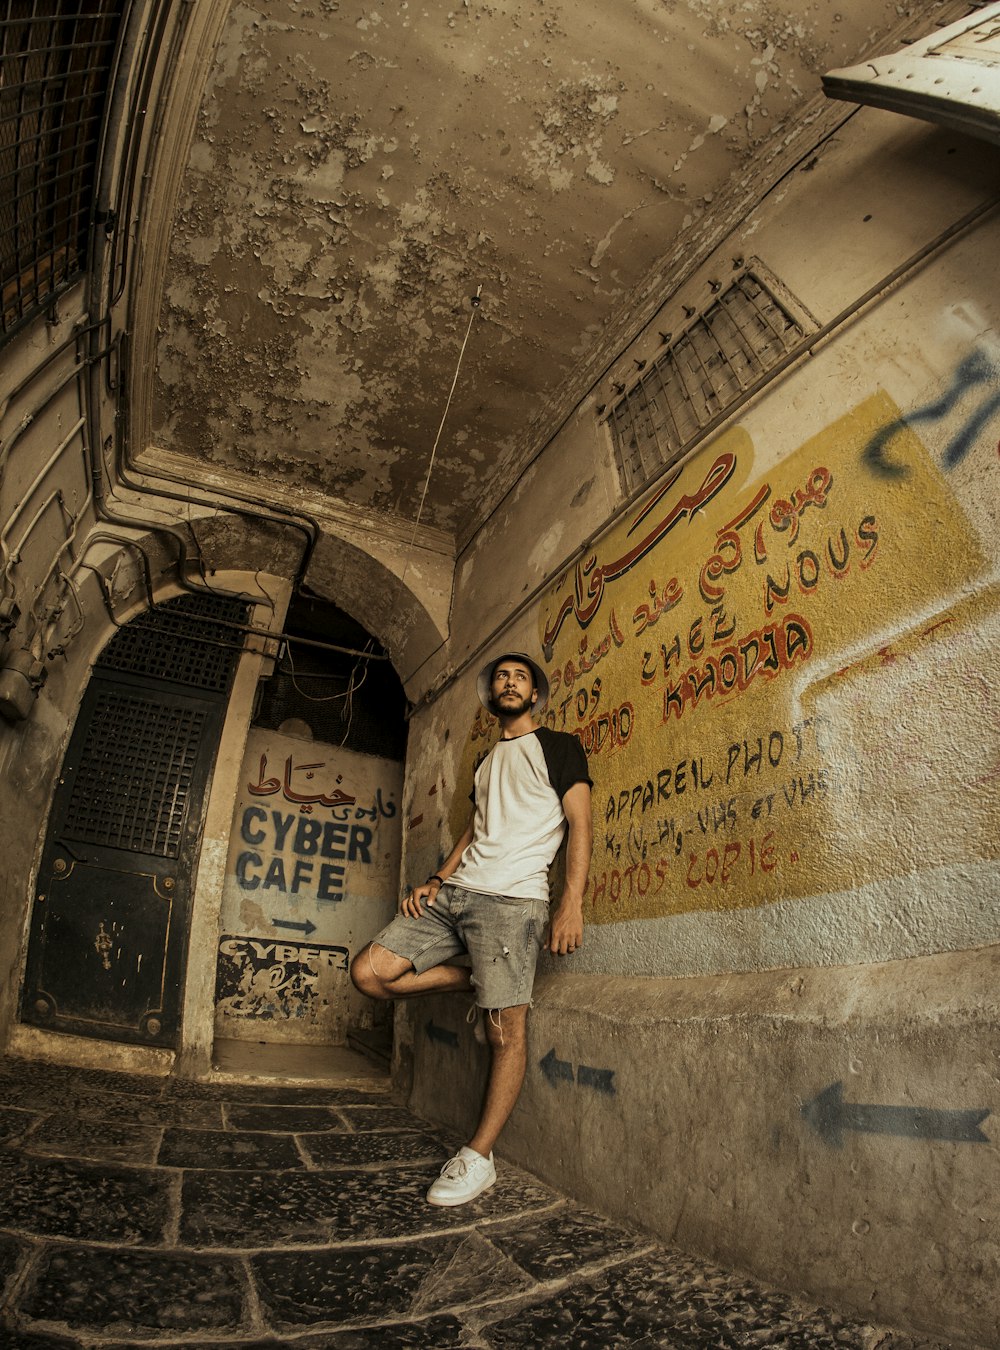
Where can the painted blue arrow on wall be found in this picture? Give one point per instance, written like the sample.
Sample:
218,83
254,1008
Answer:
830,1116
601,1080
556,1070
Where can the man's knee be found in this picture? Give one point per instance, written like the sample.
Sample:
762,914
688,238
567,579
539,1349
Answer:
506,1028
361,976
375,969
364,975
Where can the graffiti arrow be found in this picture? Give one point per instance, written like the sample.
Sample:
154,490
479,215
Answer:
560,1070
440,1034
556,1069
830,1116
304,928
598,1079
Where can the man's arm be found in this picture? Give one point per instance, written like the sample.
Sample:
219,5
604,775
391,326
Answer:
566,924
414,901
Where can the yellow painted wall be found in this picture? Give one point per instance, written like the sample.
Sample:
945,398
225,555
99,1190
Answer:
695,650
779,667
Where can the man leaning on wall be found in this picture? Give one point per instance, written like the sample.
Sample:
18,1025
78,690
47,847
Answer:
489,901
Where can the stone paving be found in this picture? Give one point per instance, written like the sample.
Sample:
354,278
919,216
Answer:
146,1212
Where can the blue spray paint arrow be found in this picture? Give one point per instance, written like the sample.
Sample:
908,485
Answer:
830,1116
298,927
440,1034
560,1070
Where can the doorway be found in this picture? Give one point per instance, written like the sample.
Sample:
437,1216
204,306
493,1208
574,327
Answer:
109,929
313,866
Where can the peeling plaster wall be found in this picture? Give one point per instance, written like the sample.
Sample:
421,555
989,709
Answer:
358,172
781,665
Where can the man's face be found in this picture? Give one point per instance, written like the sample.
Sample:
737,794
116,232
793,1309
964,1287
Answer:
512,689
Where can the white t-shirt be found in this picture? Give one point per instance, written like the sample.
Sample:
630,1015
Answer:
519,820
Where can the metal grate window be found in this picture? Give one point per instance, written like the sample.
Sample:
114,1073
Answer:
193,640
56,58
745,332
132,787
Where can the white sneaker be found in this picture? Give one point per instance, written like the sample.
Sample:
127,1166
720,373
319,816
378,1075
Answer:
462,1178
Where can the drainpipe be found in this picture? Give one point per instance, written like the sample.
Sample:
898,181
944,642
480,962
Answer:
117,103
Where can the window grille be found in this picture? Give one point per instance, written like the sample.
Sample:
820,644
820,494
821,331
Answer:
721,354
56,59
192,640
133,783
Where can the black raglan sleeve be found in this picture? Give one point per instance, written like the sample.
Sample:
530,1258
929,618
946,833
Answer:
565,759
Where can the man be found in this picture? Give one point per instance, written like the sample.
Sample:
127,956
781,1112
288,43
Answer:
489,900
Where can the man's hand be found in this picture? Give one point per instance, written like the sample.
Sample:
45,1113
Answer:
566,924
413,904
566,927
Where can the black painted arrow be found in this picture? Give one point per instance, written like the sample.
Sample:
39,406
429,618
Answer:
556,1069
560,1070
441,1034
601,1080
298,926
830,1116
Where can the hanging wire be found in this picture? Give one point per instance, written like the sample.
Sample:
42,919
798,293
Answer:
353,685
474,301
348,693
352,689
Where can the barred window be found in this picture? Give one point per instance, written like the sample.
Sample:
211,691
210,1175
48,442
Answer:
192,640
721,353
56,60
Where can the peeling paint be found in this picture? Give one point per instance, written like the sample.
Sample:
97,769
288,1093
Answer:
358,171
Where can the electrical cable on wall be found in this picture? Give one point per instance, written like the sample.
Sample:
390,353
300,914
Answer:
474,301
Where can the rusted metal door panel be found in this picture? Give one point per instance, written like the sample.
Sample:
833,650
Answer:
112,907
111,913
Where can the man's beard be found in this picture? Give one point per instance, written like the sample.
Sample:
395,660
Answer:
507,707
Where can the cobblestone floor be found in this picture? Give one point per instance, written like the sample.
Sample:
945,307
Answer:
138,1212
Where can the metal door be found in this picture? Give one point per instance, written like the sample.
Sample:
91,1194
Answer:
109,929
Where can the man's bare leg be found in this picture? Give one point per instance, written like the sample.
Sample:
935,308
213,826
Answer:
507,1034
382,974
472,1171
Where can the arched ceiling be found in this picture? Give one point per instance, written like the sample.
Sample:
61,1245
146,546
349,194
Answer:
359,169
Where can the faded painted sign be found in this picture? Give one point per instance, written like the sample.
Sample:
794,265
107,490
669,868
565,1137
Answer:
278,981
312,874
690,652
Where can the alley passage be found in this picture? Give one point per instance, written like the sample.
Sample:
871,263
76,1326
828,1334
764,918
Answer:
147,1212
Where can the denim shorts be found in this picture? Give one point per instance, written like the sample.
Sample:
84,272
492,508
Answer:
502,936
